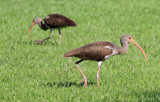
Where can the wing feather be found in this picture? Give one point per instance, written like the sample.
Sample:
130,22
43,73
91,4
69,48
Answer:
93,51
57,20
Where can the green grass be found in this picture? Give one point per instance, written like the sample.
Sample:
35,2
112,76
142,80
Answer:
30,72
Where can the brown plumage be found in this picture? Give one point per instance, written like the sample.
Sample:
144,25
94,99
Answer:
52,21
57,20
94,51
100,51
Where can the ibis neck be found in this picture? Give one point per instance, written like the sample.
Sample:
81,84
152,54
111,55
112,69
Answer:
124,47
43,26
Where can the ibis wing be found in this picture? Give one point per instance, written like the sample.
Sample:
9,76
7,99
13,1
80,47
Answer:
93,51
56,21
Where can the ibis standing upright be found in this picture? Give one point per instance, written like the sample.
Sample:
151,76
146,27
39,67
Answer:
100,51
52,21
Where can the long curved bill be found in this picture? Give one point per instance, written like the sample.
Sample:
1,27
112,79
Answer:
30,29
134,43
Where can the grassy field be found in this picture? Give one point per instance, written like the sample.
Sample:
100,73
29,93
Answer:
31,72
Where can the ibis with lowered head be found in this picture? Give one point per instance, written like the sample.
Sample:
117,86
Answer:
52,21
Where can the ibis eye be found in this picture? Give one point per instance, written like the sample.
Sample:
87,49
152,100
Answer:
130,37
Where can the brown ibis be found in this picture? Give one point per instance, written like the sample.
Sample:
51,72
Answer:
52,21
100,51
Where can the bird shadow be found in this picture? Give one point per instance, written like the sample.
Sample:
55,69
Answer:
35,43
67,84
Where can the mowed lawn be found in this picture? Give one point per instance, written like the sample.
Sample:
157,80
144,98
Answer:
31,72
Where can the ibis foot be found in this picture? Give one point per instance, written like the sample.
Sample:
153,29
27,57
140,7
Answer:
85,82
40,41
84,77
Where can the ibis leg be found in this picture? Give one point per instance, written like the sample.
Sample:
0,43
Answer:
99,65
42,40
84,77
59,37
